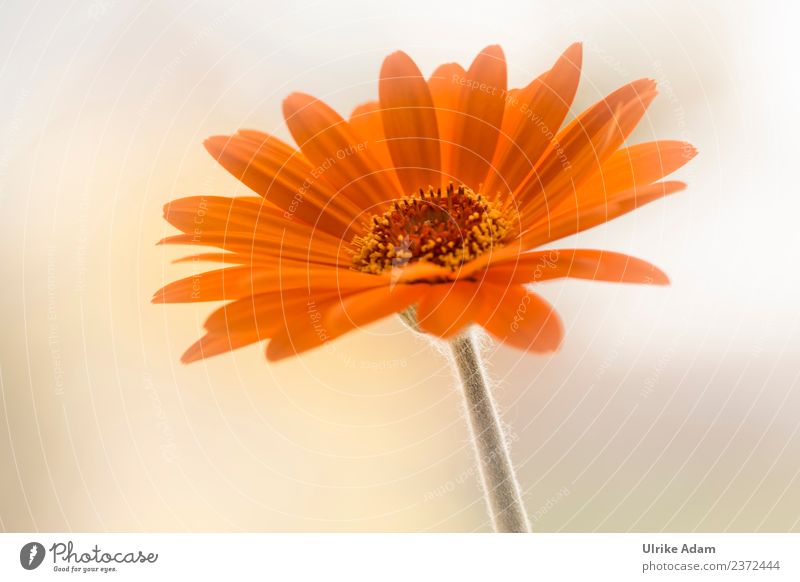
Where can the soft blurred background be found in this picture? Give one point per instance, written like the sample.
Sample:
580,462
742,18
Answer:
667,409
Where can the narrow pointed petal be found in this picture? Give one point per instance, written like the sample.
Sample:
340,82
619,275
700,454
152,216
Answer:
327,320
445,88
533,116
409,122
237,282
245,321
214,344
581,148
339,158
366,121
571,220
221,213
595,265
481,104
230,258
633,166
281,174
268,247
196,214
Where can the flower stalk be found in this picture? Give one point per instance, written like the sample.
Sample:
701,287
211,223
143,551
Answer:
499,481
503,496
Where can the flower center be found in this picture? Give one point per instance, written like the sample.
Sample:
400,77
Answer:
445,228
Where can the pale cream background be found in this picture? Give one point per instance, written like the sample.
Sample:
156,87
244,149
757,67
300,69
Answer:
667,409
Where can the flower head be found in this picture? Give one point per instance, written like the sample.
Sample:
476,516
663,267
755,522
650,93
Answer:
437,197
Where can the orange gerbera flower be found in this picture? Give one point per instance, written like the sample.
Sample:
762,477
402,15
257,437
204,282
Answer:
432,198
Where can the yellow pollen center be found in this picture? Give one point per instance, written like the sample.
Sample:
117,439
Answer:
444,228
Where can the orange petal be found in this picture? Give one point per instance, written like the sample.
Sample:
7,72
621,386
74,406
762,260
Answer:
220,213
445,89
278,172
409,122
339,157
446,309
329,319
580,148
250,311
572,220
520,319
213,344
247,321
532,118
639,164
196,214
481,104
244,224
595,265
232,258
268,247
237,282
366,121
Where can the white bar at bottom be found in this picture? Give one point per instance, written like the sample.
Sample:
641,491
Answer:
401,557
